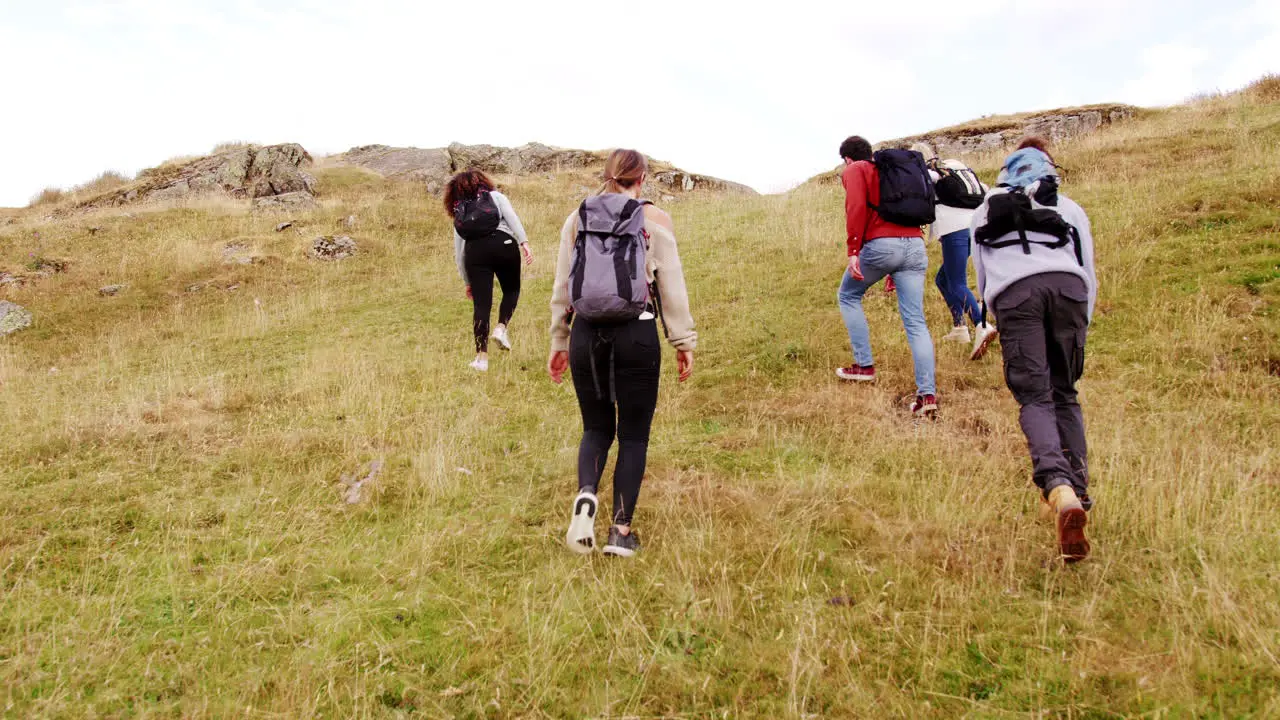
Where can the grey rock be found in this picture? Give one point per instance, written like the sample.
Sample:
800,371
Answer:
300,200
13,317
110,290
1057,127
332,247
237,253
284,226
247,171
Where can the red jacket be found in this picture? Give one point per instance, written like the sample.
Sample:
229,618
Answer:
861,183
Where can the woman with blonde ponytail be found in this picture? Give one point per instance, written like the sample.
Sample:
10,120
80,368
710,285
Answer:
609,341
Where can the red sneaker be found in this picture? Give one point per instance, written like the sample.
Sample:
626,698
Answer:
925,406
857,373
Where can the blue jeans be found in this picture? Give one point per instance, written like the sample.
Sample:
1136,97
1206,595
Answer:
953,278
905,260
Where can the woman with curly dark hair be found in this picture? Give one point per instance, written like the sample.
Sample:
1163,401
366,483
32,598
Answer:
486,232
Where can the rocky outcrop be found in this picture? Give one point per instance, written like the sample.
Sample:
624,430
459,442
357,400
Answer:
993,135
264,174
667,181
13,317
433,167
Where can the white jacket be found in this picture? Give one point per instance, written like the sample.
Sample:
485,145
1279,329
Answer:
950,219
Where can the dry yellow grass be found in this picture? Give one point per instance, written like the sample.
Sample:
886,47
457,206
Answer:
173,540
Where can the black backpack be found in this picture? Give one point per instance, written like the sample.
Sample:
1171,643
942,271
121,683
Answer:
906,190
958,188
1013,213
476,218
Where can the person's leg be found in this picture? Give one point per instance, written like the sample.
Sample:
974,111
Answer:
850,300
508,271
598,414
1070,322
637,362
480,277
944,283
1026,371
910,277
955,260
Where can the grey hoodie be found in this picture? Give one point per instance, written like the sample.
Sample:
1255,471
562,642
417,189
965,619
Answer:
997,269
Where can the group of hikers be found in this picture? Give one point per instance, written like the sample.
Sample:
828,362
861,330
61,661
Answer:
618,273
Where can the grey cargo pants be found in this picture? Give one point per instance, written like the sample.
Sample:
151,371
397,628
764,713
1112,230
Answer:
1043,324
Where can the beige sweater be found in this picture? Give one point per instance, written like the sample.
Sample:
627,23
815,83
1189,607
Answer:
663,262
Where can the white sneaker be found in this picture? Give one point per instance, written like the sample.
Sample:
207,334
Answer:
983,336
480,364
959,333
502,337
581,537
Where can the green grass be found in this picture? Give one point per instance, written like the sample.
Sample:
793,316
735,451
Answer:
173,540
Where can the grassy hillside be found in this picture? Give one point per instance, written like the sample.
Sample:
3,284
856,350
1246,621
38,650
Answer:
173,539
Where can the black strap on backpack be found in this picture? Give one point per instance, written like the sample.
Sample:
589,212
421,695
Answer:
624,263
1011,212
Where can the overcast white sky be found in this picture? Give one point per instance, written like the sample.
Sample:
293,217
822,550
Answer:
758,95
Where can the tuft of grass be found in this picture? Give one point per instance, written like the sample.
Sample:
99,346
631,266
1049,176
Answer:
1265,89
47,196
174,539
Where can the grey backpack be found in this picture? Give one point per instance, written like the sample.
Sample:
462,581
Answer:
607,277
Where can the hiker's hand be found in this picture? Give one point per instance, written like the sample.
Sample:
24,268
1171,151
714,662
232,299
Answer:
855,268
469,293
528,254
557,364
684,363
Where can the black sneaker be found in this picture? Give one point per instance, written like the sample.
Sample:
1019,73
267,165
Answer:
621,545
581,537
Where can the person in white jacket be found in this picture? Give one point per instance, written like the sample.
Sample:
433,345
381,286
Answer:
954,212
1033,255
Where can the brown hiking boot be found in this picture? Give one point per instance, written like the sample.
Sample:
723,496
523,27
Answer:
1071,521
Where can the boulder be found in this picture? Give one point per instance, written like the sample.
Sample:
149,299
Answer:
330,247
243,172
410,163
110,290
13,317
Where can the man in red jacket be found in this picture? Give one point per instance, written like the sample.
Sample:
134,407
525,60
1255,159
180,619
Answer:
878,248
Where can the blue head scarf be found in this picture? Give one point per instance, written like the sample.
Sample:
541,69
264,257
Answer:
1025,167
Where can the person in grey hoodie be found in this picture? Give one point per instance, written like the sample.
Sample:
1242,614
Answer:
1033,254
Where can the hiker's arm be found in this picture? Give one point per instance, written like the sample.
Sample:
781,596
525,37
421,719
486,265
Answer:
560,288
975,250
459,254
509,216
855,208
669,274
1086,254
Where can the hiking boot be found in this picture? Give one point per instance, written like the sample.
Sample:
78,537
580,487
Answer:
479,364
983,336
925,406
1071,521
857,373
959,333
581,537
621,545
500,334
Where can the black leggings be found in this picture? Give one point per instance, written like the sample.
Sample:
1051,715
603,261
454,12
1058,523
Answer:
498,255
615,374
